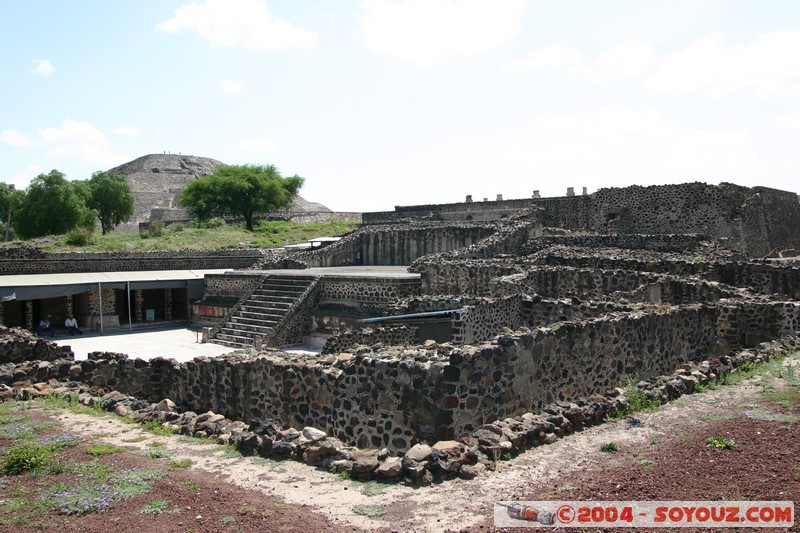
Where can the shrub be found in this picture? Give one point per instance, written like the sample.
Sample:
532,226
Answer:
609,447
154,229
78,237
25,458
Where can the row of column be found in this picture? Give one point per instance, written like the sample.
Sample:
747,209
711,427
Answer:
138,299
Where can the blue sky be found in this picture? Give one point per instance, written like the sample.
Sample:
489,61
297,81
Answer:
378,103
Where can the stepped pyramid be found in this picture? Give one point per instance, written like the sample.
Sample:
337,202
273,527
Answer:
156,181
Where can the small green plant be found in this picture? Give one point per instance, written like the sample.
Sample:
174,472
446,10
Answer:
140,438
190,485
155,427
344,476
653,441
97,450
25,458
225,520
156,452
637,401
369,510
565,488
687,438
648,468
721,443
154,229
78,237
371,489
181,463
609,447
156,507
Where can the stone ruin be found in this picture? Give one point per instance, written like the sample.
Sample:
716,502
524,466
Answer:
523,321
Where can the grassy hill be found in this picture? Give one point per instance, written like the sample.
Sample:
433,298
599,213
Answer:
178,237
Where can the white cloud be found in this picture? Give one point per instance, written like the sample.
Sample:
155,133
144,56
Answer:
790,120
43,67
21,181
428,32
559,56
15,138
79,140
258,146
245,23
769,65
231,86
623,60
130,131
621,145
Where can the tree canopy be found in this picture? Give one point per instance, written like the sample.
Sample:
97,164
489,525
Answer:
50,206
110,196
239,190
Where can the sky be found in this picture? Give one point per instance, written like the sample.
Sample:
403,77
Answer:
380,103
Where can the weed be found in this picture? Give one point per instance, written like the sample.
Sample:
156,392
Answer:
687,438
371,490
25,458
609,447
637,401
99,471
157,507
140,438
97,450
181,463
369,510
344,476
190,485
648,468
566,488
721,443
155,427
156,452
653,441
716,418
229,451
225,520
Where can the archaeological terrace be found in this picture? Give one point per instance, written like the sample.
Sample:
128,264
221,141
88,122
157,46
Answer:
509,323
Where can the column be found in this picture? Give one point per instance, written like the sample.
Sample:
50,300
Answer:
168,304
29,315
138,299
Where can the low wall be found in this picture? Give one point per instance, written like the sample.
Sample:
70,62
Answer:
18,345
33,261
400,397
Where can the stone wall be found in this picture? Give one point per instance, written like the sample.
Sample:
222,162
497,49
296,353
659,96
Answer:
361,337
18,345
34,261
756,220
746,324
396,398
363,297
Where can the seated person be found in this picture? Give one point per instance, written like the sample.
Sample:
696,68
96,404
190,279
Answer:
44,325
72,326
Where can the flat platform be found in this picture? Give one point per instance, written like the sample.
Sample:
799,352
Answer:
182,344
377,272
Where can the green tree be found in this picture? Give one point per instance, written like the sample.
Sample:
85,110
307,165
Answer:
10,200
50,206
239,190
111,198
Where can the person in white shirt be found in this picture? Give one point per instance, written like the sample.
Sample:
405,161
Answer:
72,325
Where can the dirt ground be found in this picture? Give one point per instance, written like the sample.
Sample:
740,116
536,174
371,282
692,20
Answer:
664,457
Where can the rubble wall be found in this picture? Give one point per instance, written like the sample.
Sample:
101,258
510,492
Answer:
396,399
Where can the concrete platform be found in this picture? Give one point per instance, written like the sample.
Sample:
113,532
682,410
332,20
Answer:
182,344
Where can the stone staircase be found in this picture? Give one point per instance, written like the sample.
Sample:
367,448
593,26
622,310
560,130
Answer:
263,311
